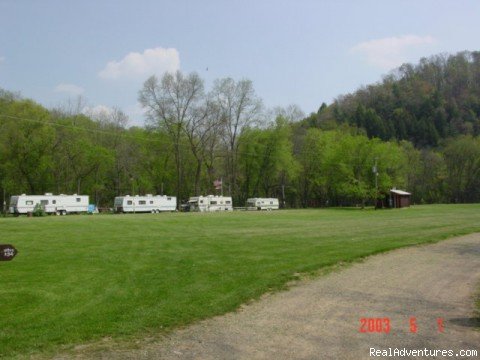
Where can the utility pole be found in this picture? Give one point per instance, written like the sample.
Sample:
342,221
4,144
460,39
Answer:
4,202
375,172
133,194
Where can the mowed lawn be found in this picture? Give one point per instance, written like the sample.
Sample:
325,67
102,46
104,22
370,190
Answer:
81,278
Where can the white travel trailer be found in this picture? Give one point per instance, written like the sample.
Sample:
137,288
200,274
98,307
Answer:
262,204
148,203
51,204
210,203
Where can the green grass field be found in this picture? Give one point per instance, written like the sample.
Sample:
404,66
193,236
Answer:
82,278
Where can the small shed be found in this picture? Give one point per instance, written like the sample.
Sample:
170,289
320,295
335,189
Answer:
399,198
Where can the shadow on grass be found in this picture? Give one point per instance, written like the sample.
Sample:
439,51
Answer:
355,208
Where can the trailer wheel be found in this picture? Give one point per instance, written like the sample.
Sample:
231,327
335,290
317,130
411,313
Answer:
57,213
64,212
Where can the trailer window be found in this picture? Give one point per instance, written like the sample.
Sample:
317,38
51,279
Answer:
79,199
129,202
151,201
169,198
29,202
44,202
201,201
142,202
54,201
228,202
213,203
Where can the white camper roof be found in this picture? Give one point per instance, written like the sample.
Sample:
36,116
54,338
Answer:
196,198
141,196
50,194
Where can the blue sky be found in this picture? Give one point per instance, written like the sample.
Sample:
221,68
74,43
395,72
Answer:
296,52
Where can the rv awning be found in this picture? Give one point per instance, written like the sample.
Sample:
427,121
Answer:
399,192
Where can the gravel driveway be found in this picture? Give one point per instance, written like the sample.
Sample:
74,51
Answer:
321,318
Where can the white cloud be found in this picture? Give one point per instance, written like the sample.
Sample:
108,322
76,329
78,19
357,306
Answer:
388,53
98,111
136,114
140,65
69,89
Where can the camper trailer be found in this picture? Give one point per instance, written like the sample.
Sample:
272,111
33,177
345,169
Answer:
142,204
210,203
51,204
262,204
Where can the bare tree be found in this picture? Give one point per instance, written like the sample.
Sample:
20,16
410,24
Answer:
70,108
115,122
202,131
107,117
240,108
213,141
172,104
291,113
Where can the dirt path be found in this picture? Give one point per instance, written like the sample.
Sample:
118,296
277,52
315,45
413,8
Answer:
320,319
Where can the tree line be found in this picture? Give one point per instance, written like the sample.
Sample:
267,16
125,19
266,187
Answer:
194,136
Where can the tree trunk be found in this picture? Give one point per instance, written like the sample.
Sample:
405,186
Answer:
198,173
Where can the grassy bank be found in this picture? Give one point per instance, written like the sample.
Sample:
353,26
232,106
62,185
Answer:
81,278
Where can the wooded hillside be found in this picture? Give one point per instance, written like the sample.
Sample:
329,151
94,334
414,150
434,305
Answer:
424,103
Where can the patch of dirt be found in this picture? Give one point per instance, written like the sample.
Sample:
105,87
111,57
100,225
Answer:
320,318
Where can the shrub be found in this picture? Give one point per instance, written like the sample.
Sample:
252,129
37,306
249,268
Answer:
38,210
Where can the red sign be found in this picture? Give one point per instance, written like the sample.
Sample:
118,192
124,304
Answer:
7,252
